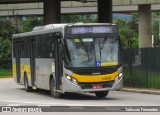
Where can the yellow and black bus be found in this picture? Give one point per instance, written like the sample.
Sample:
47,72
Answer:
69,58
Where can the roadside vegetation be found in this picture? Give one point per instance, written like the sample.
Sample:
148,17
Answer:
5,72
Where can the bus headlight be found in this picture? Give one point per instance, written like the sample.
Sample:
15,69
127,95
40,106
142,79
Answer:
73,80
68,77
118,77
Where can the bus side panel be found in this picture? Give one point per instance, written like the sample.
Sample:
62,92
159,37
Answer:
43,72
25,67
14,69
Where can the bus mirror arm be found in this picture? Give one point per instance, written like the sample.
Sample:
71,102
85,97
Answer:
58,35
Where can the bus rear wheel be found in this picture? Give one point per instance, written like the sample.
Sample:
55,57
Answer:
53,90
26,85
101,94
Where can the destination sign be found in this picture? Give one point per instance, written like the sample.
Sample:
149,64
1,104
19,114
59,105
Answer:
99,29
93,29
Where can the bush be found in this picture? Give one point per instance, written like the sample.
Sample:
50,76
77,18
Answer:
6,32
5,53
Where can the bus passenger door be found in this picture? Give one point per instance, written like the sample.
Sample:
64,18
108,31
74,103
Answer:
32,61
58,59
18,70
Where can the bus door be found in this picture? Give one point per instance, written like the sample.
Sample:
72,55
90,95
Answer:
18,70
32,61
58,59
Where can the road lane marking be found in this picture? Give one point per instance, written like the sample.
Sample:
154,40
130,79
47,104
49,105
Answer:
13,104
39,103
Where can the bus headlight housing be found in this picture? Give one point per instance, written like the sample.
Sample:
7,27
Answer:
68,77
118,77
74,81
71,79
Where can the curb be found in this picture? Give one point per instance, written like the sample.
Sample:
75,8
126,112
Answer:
144,91
1,77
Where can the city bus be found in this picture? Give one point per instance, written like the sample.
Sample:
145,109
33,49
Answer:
69,58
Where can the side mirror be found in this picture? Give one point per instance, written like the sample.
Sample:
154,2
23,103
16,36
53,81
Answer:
58,35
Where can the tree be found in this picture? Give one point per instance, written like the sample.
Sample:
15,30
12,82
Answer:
156,32
29,23
128,32
6,32
71,18
7,29
5,53
78,18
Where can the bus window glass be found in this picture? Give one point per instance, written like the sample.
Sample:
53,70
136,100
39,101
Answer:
39,47
50,46
22,48
91,52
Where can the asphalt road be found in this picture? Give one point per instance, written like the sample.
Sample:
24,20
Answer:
13,94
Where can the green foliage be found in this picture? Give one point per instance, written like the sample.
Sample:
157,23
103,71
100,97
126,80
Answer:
156,14
77,18
7,29
30,23
128,38
156,32
6,32
128,32
5,53
71,18
5,73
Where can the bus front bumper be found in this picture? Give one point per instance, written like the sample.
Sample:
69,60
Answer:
71,87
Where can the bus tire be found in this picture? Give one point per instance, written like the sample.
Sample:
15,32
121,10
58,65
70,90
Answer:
26,84
101,94
53,89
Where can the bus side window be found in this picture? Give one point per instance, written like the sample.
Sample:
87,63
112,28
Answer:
14,48
22,49
39,46
27,47
44,46
51,45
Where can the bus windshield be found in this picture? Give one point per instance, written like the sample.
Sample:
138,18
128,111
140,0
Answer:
91,52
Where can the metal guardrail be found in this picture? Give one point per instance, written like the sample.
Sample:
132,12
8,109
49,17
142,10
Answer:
142,67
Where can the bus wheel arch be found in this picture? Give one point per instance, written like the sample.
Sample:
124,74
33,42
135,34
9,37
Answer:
52,88
50,78
26,84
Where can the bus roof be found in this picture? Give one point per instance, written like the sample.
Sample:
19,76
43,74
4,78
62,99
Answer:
42,30
51,28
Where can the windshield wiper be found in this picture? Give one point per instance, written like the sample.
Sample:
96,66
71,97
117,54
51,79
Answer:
85,48
100,50
103,43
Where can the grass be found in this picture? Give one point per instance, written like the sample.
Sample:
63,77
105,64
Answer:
141,78
5,73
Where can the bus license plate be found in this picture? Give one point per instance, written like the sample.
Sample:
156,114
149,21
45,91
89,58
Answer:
97,86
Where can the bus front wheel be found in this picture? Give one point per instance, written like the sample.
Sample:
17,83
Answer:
53,89
101,94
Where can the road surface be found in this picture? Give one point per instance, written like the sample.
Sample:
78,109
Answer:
12,93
